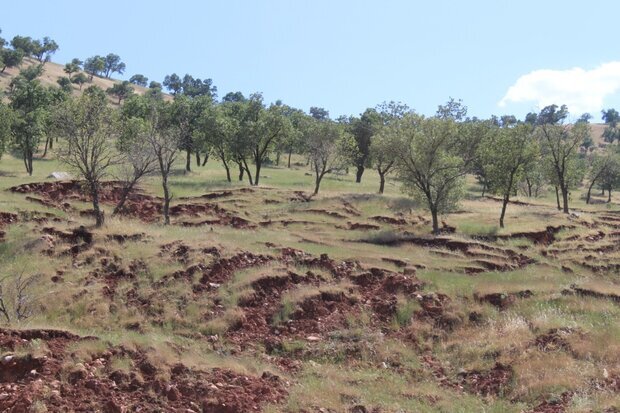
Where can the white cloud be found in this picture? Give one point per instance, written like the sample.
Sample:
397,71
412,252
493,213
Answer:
581,90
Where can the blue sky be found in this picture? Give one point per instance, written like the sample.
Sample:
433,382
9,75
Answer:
349,55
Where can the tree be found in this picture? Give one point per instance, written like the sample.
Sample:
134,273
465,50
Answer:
319,113
29,101
534,178
120,90
435,155
386,144
453,109
506,154
23,43
383,150
112,64
611,117
43,51
139,80
363,130
234,97
293,141
325,141
11,58
79,79
173,83
65,84
610,178
551,115
273,127
6,123
94,66
73,66
599,165
560,144
138,158
87,123
189,86
218,133
163,137
186,113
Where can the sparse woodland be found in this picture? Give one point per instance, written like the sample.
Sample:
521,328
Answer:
227,254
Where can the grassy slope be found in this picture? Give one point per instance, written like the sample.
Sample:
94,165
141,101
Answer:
327,378
54,71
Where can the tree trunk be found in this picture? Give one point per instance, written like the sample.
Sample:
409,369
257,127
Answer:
484,189
557,198
565,198
317,183
205,159
123,197
289,159
359,173
589,191
609,197
227,171
47,140
188,166
247,171
197,158
257,174
503,214
241,171
381,182
529,187
278,158
166,201
435,221
94,192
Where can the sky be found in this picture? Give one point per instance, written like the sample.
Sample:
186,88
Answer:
499,57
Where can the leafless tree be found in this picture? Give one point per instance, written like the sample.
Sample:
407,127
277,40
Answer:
138,160
17,301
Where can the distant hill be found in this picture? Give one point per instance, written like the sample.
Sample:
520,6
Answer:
54,71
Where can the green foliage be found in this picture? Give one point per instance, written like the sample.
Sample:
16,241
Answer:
65,84
120,90
11,58
506,153
23,43
113,64
30,102
79,79
560,149
139,80
94,66
611,117
404,312
328,147
6,123
189,86
73,66
436,154
43,50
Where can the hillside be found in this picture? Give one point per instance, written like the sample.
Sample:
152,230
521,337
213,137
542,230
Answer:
263,299
54,71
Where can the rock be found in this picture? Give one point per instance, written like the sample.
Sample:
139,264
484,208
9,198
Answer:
59,175
173,394
112,407
359,409
313,339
